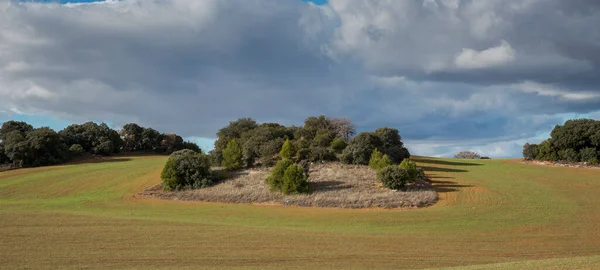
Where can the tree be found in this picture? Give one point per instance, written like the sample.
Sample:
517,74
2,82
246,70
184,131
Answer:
132,135
343,128
391,144
547,151
338,145
294,180
376,156
10,126
170,143
76,150
186,169
15,147
287,150
411,168
467,155
569,154
530,151
235,130
232,155
275,178
589,155
93,138
151,139
393,177
360,148
45,147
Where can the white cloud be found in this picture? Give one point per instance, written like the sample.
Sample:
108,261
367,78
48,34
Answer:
491,57
553,91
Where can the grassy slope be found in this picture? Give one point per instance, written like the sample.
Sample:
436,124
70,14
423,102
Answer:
492,211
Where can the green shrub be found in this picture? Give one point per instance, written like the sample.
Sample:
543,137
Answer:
275,179
530,151
569,155
318,153
303,154
384,162
546,151
76,150
376,156
338,145
294,180
232,155
588,154
360,148
393,177
287,150
186,169
411,167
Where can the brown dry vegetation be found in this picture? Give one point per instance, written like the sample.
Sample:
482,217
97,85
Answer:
331,185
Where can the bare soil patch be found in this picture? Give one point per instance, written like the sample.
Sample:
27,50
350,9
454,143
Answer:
331,185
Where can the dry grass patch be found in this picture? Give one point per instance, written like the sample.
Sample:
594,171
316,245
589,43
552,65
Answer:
331,185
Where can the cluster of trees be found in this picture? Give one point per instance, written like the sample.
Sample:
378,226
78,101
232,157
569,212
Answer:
468,155
394,176
23,146
244,143
575,141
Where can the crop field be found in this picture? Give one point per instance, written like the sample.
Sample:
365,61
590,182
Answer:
492,214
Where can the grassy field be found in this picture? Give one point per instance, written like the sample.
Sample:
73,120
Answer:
492,214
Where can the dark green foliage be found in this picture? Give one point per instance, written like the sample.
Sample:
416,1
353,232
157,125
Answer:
569,154
546,151
76,150
576,140
151,140
393,177
391,144
191,146
269,151
294,180
132,135
170,143
589,154
37,147
360,148
15,147
187,169
411,168
275,179
3,158
10,126
530,151
318,154
338,145
234,130
264,142
232,155
303,154
94,138
287,150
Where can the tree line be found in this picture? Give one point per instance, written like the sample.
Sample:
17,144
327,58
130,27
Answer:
575,141
21,145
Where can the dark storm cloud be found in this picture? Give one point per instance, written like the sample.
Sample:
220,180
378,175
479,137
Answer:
477,74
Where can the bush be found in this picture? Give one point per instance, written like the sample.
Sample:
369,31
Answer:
391,144
186,169
530,151
76,150
318,154
232,155
338,145
360,148
569,155
287,150
275,179
410,167
546,151
294,180
588,155
376,156
467,155
303,154
393,177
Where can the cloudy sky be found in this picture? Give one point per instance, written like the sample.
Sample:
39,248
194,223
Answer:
449,74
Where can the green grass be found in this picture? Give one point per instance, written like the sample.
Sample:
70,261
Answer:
492,214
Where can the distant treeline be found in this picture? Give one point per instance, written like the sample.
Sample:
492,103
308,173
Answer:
21,145
575,141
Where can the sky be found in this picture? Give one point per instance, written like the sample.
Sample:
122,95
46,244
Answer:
451,75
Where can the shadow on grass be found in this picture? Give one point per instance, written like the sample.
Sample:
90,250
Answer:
328,186
445,162
447,186
439,169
